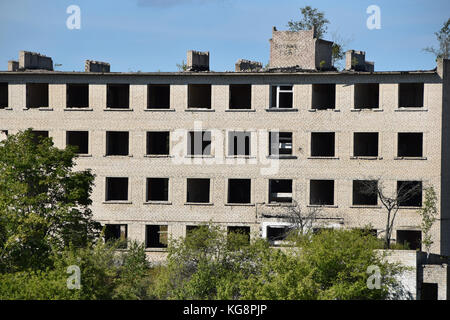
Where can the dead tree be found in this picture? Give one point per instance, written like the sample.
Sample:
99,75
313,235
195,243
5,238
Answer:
302,222
391,201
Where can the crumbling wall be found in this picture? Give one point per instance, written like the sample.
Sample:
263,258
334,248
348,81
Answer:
247,65
33,60
96,66
356,60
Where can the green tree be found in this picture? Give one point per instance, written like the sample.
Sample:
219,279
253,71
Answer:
43,202
428,212
443,37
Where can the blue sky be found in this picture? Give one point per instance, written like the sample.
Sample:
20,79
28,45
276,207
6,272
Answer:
154,35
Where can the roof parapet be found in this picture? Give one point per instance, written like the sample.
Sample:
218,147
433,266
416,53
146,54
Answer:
247,65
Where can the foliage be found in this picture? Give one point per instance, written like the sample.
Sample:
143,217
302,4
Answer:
312,17
443,37
428,212
182,66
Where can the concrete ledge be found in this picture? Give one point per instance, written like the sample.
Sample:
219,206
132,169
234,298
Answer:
118,109
198,204
117,202
78,109
239,204
287,157
410,158
159,110
160,156
323,158
367,110
240,110
411,109
199,110
157,203
281,110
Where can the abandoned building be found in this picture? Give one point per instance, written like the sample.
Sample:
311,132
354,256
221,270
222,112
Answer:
330,133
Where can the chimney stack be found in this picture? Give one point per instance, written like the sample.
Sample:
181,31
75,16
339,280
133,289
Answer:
33,60
356,61
13,65
197,61
96,66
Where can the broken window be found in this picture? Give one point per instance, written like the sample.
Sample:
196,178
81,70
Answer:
240,96
37,95
198,190
199,96
156,236
78,139
282,97
321,192
239,143
365,144
118,96
366,96
276,234
239,191
3,135
3,95
158,143
245,231
116,189
429,291
280,143
199,143
157,189
410,144
409,193
322,144
280,191
412,239
158,96
365,192
77,95
323,96
117,232
117,143
410,95
39,135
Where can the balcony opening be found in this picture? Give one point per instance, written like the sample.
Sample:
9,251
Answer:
244,231
77,95
158,143
410,95
158,96
280,143
156,236
116,189
3,135
429,291
3,95
239,191
157,189
240,96
78,139
412,239
37,95
282,97
117,143
117,232
276,234
323,96
199,96
199,143
365,144
409,193
322,144
367,95
280,191
365,192
239,143
118,96
321,192
38,136
410,144
198,190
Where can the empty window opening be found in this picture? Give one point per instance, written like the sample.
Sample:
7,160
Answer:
157,189
410,144
158,143
323,96
412,239
282,97
322,144
280,143
240,96
116,189
199,96
199,143
118,96
276,234
239,191
117,143
77,95
321,192
280,191
117,232
244,231
365,144
192,229
365,192
3,135
158,96
429,291
37,95
3,95
38,136
78,139
239,143
409,193
156,236
410,95
198,190
366,95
